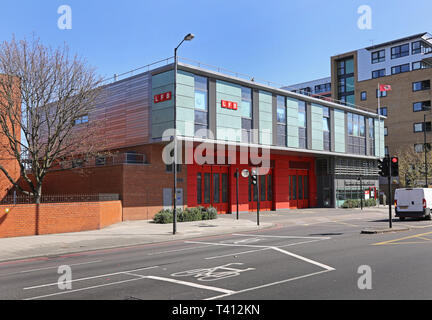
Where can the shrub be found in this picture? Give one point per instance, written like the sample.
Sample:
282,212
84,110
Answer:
188,215
163,217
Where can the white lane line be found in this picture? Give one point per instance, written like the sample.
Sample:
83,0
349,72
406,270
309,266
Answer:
271,247
47,268
282,237
269,285
236,254
89,278
82,289
252,251
186,283
304,259
169,251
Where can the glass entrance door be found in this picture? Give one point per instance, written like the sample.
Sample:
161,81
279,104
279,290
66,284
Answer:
299,189
213,187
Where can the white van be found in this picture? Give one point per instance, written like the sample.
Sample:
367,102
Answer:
413,203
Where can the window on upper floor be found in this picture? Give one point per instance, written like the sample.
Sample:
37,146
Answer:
400,51
422,126
356,134
326,128
385,131
420,47
201,106
382,94
421,106
383,111
281,121
363,96
378,56
378,73
401,69
419,65
302,123
421,85
246,113
326,87
82,120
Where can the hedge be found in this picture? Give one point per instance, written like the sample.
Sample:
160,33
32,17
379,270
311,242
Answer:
188,215
356,203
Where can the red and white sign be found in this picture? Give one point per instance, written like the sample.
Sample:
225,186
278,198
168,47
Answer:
385,87
162,97
229,105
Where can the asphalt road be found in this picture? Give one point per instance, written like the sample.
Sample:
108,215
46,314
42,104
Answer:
318,260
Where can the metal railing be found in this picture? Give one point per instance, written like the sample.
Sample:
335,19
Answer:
60,198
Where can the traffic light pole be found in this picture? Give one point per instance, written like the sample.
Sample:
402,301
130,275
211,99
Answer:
390,191
258,198
237,191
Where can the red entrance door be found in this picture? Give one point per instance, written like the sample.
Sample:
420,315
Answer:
213,187
265,192
299,189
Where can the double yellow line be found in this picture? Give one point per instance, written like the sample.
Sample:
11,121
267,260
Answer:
418,236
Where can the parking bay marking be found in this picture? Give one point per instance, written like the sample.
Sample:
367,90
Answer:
321,265
399,240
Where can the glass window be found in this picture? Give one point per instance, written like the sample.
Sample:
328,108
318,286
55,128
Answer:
371,128
383,111
400,69
378,56
294,186
206,188
400,51
246,105
302,115
349,84
199,188
418,147
385,131
350,124
362,126
355,125
349,65
363,96
306,187
378,73
382,93
263,188
418,127
300,187
421,85
216,188
281,110
224,187
269,188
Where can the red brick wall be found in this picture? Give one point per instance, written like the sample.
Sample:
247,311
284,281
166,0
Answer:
30,219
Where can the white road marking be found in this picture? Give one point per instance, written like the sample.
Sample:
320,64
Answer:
169,251
82,289
47,268
264,249
89,278
271,247
268,285
186,283
282,237
304,259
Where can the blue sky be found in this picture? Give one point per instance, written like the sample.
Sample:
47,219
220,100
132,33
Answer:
284,41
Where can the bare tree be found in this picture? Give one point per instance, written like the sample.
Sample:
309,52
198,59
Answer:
46,99
412,167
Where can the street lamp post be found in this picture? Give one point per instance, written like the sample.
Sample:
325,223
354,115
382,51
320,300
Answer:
425,147
188,37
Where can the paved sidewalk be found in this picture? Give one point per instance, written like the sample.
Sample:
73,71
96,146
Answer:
122,234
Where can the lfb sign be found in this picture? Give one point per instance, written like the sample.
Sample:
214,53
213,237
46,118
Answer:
162,97
229,105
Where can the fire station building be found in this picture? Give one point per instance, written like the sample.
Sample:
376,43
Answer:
317,149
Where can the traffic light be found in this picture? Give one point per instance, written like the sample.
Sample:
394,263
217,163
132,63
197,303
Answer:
254,177
394,166
383,166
